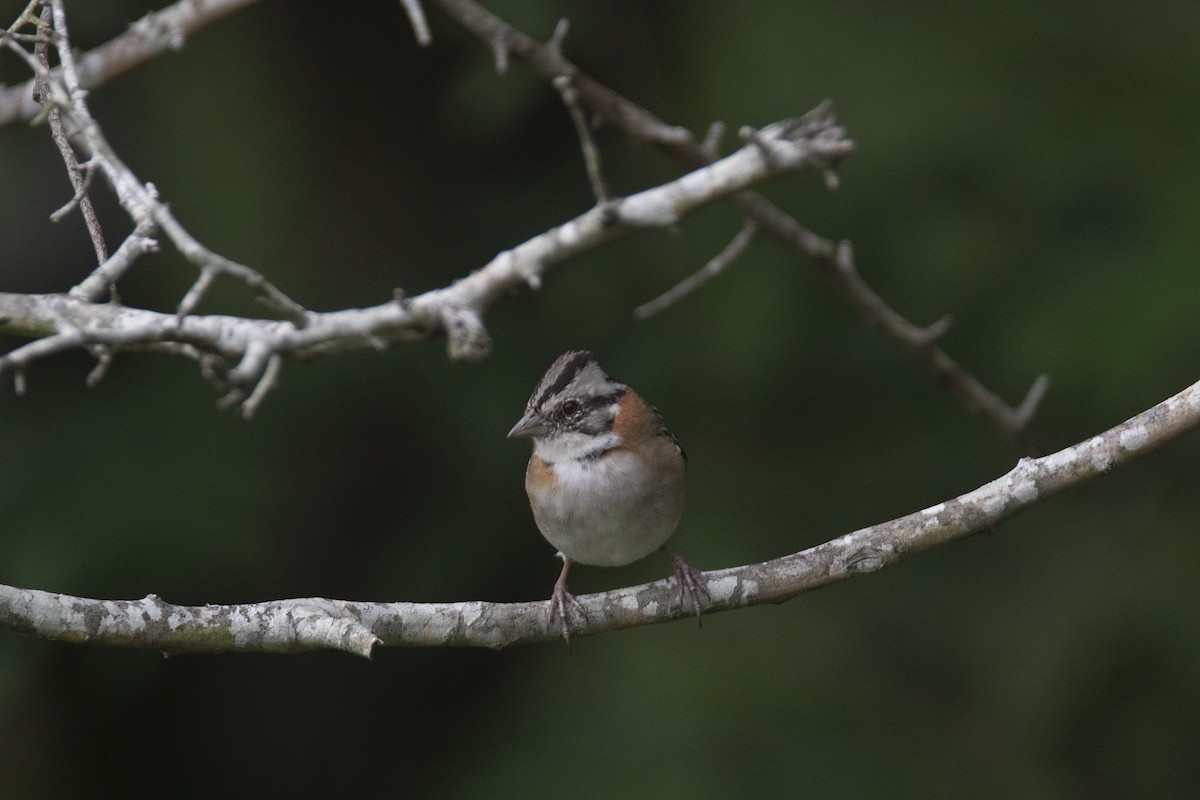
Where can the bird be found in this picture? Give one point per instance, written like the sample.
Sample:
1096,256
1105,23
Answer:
606,478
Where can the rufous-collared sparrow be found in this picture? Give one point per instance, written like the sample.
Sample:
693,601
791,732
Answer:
606,477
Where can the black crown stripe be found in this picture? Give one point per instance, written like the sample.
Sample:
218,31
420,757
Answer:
566,374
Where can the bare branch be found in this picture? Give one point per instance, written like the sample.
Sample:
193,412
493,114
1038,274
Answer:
141,200
257,346
79,182
168,29
606,104
284,626
154,34
69,321
920,344
549,62
357,627
25,17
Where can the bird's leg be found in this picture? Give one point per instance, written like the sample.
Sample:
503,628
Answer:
691,582
563,603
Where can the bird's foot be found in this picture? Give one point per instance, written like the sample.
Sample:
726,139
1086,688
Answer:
562,606
691,584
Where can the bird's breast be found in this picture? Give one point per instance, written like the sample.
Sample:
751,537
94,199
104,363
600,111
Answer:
607,511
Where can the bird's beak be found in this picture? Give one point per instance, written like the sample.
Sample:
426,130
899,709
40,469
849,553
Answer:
530,425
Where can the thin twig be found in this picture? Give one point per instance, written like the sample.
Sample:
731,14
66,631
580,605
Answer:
26,17
213,265
58,133
712,269
591,153
141,200
270,376
102,279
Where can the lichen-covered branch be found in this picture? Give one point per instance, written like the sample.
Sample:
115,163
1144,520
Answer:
358,627
64,321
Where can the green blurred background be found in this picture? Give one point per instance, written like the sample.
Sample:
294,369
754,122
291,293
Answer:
1030,168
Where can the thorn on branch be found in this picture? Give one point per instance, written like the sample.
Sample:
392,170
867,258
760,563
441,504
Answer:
104,359
768,144
711,145
213,265
819,121
88,168
843,258
1033,399
500,54
254,360
214,369
231,399
416,18
528,270
752,136
931,334
555,43
196,293
265,384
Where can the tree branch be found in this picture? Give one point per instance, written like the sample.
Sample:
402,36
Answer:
80,177
810,142
549,62
156,33
168,29
358,627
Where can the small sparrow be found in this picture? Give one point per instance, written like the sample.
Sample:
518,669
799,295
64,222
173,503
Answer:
606,477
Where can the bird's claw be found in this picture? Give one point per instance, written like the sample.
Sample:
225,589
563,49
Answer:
562,605
691,584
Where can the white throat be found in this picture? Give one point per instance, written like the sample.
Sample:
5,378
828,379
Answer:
573,445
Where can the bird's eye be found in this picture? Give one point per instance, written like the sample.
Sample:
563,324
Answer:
570,407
